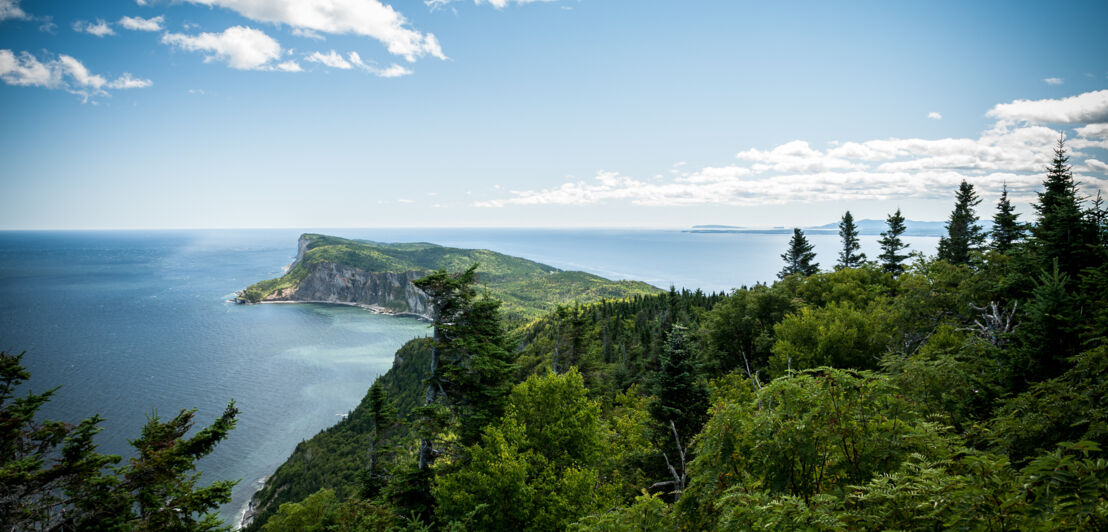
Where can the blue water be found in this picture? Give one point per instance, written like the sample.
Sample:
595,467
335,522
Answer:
132,323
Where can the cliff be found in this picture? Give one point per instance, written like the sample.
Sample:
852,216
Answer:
379,276
328,282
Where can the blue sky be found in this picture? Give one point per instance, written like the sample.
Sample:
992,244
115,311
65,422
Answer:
277,113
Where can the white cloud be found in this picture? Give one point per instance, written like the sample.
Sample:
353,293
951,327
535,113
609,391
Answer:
65,72
240,47
370,18
935,115
498,4
9,9
100,28
795,156
1087,108
393,71
331,59
1095,131
1053,81
289,66
143,24
301,32
881,169
335,60
126,81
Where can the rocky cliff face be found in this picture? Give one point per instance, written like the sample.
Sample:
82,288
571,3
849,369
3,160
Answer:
328,282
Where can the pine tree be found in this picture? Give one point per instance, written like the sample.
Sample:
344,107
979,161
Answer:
1006,227
892,256
1062,233
963,234
798,258
848,255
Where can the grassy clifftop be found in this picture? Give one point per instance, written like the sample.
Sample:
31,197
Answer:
527,288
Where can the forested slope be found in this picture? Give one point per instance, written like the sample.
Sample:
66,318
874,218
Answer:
960,392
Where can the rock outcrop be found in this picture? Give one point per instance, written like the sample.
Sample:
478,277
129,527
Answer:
328,282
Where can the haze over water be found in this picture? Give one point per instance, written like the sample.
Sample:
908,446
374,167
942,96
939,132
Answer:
130,322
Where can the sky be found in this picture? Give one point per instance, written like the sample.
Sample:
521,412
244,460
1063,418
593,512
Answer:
147,114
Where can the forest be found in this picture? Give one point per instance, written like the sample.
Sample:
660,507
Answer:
960,391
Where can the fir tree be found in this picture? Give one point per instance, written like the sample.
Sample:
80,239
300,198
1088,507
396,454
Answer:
1062,232
892,256
963,233
848,255
1006,227
798,259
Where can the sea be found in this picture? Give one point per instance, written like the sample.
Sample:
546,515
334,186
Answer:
133,325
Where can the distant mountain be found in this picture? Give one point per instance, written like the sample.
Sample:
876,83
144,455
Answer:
913,227
865,227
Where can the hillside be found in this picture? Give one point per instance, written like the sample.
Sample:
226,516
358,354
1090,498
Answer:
378,275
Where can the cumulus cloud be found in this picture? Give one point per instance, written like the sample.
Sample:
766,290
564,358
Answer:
1009,152
370,18
100,28
331,59
65,72
935,115
240,47
9,9
1087,108
1053,81
142,24
1095,131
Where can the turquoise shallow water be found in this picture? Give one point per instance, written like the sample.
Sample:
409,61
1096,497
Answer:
132,323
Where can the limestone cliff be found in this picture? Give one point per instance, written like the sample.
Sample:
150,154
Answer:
328,282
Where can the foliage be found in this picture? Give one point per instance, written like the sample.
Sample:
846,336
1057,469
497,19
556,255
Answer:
52,478
892,248
1007,229
681,398
922,397
798,257
848,255
648,513
532,470
963,234
837,335
812,433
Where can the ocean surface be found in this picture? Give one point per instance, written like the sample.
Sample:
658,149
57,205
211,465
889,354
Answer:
133,324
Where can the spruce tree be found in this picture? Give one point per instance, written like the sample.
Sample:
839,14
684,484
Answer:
892,248
1062,233
848,255
798,259
963,234
450,296
681,398
1006,227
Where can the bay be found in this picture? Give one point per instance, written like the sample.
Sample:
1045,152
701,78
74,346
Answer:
133,323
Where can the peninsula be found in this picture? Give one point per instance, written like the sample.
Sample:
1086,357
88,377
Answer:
379,276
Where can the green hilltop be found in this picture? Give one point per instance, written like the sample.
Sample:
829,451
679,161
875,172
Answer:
528,289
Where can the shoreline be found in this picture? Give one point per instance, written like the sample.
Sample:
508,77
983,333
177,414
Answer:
246,515
376,309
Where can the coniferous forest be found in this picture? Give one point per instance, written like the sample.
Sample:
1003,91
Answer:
963,391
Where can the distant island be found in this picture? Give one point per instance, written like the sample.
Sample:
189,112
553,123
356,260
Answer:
378,276
865,227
